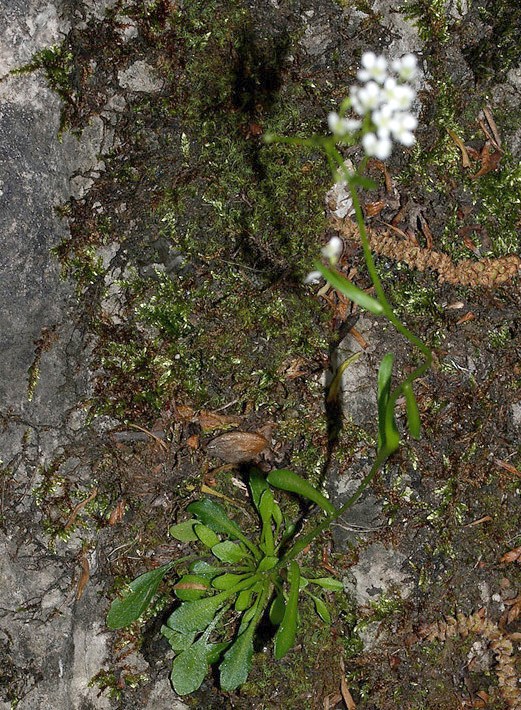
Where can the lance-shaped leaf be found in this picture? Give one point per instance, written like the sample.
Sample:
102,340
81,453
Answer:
387,432
123,611
258,485
354,293
190,667
331,583
288,481
266,510
216,518
236,663
413,415
287,631
277,609
321,608
177,641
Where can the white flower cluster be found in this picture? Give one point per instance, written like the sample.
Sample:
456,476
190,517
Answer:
387,98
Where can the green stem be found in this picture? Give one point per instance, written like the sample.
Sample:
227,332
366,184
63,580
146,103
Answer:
303,542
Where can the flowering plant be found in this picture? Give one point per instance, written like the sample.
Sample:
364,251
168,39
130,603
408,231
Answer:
235,576
383,103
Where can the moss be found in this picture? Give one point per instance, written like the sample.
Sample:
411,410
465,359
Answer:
430,18
57,64
501,50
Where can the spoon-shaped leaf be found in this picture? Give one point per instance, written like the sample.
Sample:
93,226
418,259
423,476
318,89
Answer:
236,663
216,518
190,667
287,631
123,611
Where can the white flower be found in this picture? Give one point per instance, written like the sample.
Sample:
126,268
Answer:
402,126
369,97
406,67
341,126
373,68
333,249
313,277
378,146
383,120
397,96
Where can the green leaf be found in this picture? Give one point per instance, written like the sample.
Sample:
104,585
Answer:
277,515
206,536
177,640
190,667
205,570
228,551
184,531
413,415
387,431
321,609
277,609
258,485
354,293
267,563
236,663
287,631
191,587
227,581
244,600
123,611
214,651
197,615
365,183
331,583
216,518
289,481
266,507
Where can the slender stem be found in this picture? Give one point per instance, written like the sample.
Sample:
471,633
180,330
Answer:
303,542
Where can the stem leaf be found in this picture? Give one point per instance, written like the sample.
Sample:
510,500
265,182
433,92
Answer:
288,481
348,289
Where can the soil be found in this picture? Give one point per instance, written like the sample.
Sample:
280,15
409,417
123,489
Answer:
156,248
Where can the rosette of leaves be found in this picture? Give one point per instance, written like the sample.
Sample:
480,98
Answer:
234,577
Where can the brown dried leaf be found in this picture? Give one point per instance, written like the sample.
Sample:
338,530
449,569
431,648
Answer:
84,578
193,441
512,556
466,318
507,467
117,513
464,154
237,446
490,158
373,208
211,420
426,230
191,585
74,514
